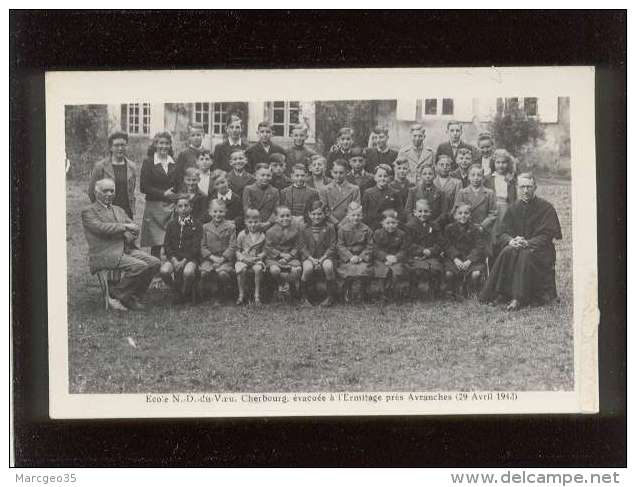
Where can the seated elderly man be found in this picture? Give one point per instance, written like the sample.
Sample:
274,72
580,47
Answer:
111,238
524,270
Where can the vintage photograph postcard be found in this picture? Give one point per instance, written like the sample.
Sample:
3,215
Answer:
229,243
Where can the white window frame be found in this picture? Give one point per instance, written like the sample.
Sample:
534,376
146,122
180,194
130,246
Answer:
140,114
521,101
215,129
201,112
439,107
287,110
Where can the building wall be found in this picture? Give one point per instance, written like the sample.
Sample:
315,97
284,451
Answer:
475,116
435,127
396,115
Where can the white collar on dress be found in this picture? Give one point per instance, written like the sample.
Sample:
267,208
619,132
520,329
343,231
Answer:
156,160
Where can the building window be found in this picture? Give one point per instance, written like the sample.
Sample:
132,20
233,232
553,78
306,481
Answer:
213,116
511,104
136,118
284,115
220,113
431,106
202,115
447,106
530,105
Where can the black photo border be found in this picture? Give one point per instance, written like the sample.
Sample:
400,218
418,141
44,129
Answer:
79,40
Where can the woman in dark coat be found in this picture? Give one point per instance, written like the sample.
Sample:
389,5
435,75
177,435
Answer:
157,182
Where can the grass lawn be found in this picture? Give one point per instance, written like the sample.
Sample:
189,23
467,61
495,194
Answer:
426,346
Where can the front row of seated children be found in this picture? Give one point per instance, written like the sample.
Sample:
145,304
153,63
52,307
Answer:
296,254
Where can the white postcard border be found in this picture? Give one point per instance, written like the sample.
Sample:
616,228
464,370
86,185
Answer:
64,88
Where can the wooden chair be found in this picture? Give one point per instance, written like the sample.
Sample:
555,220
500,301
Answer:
106,278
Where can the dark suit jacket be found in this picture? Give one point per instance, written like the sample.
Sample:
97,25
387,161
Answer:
256,154
464,242
434,198
186,158
374,157
264,200
183,243
385,243
324,246
104,230
423,236
483,205
222,153
104,169
446,149
234,209
375,201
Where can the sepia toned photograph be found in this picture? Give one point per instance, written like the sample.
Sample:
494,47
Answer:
239,248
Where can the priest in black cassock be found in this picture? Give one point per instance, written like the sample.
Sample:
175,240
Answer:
524,270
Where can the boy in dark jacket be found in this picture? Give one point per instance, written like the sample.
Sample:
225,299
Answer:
182,245
425,248
465,252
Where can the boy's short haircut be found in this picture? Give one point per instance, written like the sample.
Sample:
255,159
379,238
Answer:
462,205
261,165
453,122
503,153
341,163
299,167
233,118
182,196
353,206
217,174
485,136
191,171
265,124
203,152
422,202
417,127
345,131
276,158
117,135
527,175
252,213
381,130
389,213
356,151
400,161
476,166
195,126
442,157
217,202
384,167
234,151
280,208
318,157
318,205
462,151
301,127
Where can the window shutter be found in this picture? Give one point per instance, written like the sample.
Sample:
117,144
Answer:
548,109
487,109
308,117
406,109
124,118
463,109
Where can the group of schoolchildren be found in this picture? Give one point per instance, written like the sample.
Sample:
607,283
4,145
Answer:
294,218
